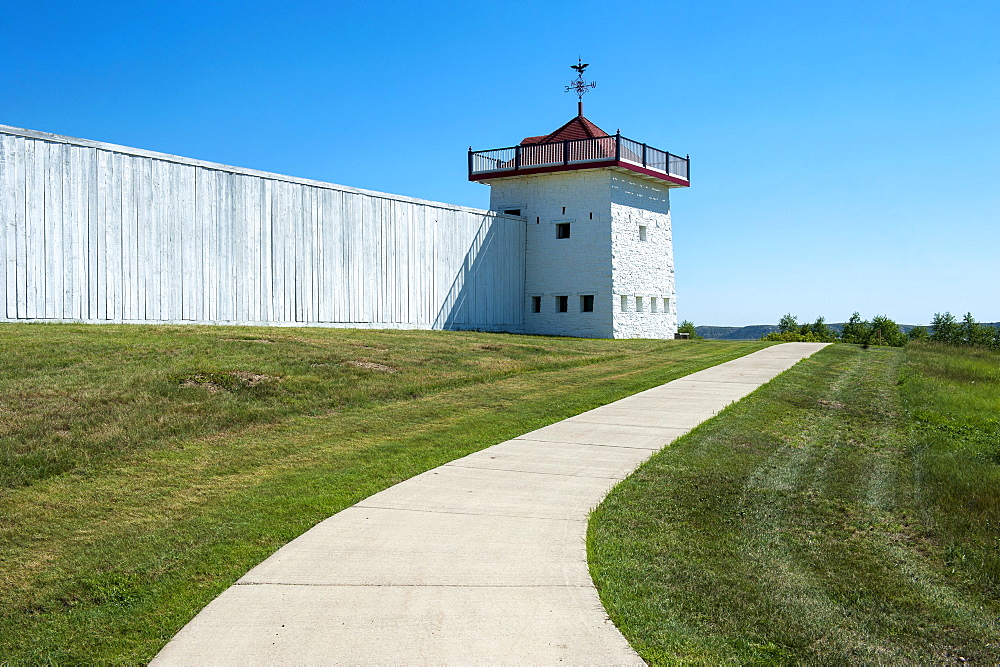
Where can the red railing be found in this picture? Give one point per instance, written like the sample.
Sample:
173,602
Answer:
613,149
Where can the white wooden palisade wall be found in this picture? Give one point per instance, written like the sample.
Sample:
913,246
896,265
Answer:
95,232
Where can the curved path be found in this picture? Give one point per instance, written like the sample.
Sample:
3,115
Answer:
479,561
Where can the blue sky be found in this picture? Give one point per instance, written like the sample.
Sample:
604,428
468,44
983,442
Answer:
845,156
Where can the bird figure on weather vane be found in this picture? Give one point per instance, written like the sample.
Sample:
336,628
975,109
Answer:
579,85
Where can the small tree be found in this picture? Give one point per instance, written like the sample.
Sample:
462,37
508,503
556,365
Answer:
821,331
885,332
945,329
856,330
974,333
687,326
788,324
917,333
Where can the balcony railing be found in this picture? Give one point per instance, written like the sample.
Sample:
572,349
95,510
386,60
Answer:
613,150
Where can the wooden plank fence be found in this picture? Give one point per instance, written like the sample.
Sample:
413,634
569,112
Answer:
94,232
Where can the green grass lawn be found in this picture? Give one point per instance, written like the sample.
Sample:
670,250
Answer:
849,512
143,469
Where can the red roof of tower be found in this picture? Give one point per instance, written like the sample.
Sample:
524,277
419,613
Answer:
577,128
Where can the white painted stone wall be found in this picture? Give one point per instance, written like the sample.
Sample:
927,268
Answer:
604,255
95,232
643,269
573,267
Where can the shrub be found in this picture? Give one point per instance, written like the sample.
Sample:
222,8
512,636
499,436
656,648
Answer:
945,329
788,324
885,332
975,334
856,330
821,331
687,326
793,337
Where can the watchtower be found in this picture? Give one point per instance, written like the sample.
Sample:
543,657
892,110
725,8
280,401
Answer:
599,252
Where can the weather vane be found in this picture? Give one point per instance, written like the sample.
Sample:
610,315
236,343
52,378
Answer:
579,85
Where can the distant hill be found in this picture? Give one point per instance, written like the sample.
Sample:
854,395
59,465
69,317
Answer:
756,331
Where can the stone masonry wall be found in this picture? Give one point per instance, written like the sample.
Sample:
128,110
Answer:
642,259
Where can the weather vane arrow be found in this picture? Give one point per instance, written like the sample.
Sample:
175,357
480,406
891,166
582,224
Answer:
579,85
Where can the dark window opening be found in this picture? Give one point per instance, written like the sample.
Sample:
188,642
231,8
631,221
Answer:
536,304
562,304
513,211
562,230
564,210
591,215
587,303
537,220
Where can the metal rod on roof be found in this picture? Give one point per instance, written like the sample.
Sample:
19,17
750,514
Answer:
579,85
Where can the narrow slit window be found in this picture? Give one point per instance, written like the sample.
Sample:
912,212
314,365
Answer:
536,304
562,230
642,232
562,304
586,303
624,303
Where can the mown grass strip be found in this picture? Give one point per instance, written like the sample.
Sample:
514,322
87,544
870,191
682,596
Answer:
791,529
106,560
952,401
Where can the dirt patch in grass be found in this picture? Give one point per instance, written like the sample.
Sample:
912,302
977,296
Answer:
253,379
214,383
372,366
373,348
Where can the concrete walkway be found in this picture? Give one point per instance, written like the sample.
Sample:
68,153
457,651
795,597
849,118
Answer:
479,561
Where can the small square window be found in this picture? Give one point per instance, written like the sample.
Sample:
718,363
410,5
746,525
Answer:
536,304
638,304
642,232
586,303
624,303
562,304
562,230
